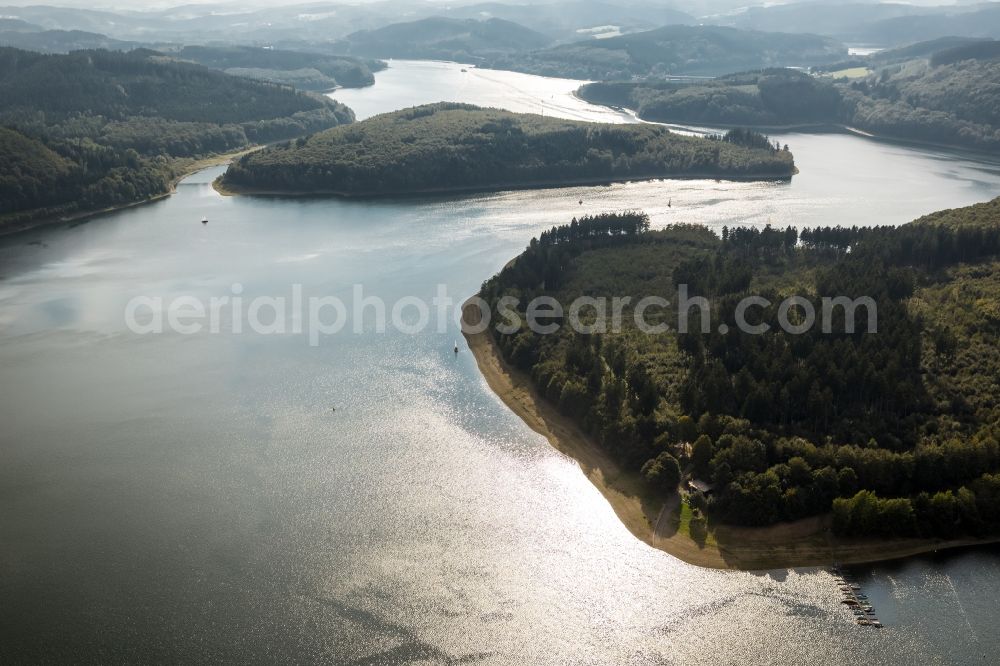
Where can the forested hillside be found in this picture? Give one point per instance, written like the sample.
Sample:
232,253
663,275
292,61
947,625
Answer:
28,170
950,96
676,49
439,38
60,41
893,429
302,69
767,97
954,98
456,147
116,125
570,20
877,23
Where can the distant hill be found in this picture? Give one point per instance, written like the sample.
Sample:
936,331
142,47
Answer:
876,23
763,98
49,17
840,19
61,41
282,66
458,148
982,21
923,49
678,49
949,97
194,23
953,98
445,39
17,25
99,128
316,23
576,19
983,50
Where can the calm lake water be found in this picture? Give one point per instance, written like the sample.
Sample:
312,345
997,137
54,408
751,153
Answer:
196,498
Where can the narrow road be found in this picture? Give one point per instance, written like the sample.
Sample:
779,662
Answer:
664,528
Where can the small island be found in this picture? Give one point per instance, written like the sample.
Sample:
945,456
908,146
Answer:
731,449
444,148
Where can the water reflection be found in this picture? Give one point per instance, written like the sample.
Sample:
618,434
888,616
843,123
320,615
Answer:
197,498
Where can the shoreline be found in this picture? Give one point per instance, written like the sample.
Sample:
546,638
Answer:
694,127
656,521
229,190
805,128
188,169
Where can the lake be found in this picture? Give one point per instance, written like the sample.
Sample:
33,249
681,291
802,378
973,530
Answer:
252,498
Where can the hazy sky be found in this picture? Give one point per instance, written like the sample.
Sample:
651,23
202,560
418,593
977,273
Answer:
693,6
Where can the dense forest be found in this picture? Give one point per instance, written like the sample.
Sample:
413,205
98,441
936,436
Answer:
441,147
675,49
894,431
952,98
948,96
766,97
301,69
114,128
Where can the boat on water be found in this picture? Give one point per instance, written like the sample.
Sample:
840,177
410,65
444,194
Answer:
204,220
456,346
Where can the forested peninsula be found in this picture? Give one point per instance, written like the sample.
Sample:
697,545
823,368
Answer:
449,147
99,129
815,447
302,69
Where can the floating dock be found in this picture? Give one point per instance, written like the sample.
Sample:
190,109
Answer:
862,610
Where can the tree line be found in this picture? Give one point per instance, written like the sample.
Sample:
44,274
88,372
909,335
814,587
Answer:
786,426
115,127
950,98
443,147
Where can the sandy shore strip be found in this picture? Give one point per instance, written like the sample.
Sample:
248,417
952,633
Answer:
658,522
230,190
